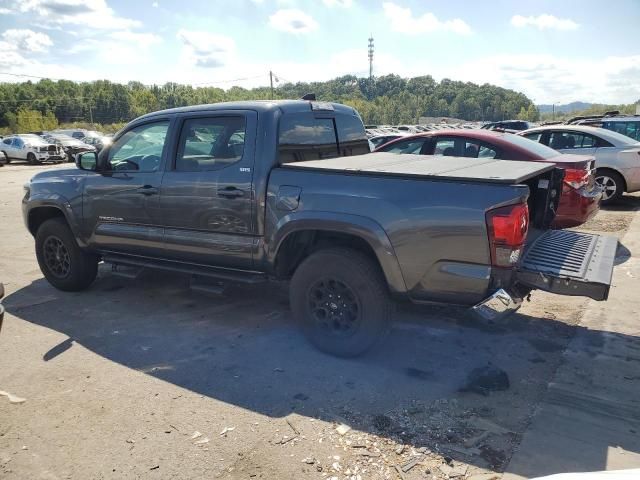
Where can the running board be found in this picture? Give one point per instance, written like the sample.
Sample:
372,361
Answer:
234,276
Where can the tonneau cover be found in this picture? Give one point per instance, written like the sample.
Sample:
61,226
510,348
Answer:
443,168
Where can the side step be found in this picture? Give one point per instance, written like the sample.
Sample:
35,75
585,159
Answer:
225,274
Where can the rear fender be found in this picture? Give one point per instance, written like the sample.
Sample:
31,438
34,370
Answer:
362,227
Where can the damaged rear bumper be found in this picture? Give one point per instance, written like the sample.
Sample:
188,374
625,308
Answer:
498,305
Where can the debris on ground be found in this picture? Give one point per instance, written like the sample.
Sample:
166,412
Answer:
196,434
484,380
201,441
226,430
342,429
12,398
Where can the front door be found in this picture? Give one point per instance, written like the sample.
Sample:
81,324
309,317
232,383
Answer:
206,196
121,201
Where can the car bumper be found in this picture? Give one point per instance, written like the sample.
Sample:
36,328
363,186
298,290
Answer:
577,206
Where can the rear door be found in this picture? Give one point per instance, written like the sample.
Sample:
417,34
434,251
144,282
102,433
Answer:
573,142
206,196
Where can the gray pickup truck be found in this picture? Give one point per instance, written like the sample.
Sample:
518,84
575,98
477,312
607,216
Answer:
252,191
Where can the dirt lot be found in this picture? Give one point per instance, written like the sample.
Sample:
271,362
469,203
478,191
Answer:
147,379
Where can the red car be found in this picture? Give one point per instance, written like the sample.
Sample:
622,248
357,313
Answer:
580,199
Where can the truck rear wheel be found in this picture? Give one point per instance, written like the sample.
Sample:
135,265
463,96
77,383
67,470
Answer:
63,263
341,299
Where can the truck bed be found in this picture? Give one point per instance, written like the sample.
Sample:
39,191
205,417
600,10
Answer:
441,168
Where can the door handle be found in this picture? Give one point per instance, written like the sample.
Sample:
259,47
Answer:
147,190
230,192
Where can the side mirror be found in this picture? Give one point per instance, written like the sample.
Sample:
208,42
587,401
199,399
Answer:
87,161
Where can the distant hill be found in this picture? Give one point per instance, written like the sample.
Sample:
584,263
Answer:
566,108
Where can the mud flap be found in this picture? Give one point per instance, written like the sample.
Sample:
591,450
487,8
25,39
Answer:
569,263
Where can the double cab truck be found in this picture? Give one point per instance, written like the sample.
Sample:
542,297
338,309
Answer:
253,191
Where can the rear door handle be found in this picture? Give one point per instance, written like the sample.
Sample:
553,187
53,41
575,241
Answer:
147,190
230,192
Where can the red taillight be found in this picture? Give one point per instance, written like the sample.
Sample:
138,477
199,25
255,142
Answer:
576,178
508,227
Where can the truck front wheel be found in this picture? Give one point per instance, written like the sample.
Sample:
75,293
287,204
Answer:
341,299
64,264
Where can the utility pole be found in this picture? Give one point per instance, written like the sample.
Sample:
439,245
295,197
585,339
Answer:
271,82
90,114
370,56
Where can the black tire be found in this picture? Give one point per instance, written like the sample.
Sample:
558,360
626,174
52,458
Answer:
31,158
6,157
70,268
349,329
613,183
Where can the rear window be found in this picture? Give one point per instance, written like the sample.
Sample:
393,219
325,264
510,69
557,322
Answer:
537,148
629,128
351,135
304,137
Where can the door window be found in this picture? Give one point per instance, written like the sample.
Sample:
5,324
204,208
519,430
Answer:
140,149
533,136
7,141
445,147
305,137
478,150
208,144
571,140
407,146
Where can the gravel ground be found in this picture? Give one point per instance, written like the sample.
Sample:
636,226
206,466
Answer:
147,379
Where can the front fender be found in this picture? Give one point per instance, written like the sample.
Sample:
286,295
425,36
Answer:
53,200
362,227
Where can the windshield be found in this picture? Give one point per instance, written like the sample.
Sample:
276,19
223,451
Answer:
34,140
531,145
619,139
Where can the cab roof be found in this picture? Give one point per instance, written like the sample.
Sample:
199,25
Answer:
285,106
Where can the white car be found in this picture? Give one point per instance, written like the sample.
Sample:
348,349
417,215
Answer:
617,156
31,148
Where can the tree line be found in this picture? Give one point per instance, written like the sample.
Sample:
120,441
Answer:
388,99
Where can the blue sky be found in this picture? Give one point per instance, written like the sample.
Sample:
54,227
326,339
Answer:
552,51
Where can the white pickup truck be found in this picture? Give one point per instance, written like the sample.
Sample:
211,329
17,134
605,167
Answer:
31,148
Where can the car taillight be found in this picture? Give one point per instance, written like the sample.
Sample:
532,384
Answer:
507,227
576,177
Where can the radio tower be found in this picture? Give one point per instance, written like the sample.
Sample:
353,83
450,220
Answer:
370,57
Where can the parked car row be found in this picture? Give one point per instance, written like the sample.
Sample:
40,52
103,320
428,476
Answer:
51,147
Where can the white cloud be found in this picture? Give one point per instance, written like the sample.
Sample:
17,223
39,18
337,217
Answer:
88,13
403,20
204,49
544,22
27,40
155,5
548,79
338,3
292,20
143,40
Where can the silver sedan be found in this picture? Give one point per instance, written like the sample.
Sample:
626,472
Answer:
617,156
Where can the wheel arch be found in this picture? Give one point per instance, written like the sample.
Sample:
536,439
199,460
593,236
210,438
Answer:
296,236
618,172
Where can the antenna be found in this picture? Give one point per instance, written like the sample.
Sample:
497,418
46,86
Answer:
370,56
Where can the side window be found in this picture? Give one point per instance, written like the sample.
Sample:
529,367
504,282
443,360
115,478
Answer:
571,140
445,147
408,146
140,149
478,150
533,136
18,143
305,137
351,135
7,141
208,144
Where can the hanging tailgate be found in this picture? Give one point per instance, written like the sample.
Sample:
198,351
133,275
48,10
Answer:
569,263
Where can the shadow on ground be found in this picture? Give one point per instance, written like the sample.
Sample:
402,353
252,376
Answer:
243,348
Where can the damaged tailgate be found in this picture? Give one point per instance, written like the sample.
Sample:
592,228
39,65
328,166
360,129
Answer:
569,263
